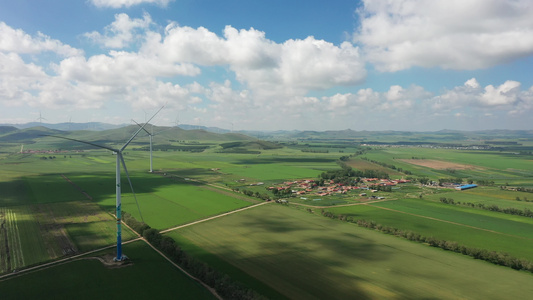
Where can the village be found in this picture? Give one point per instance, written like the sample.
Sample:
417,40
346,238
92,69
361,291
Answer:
330,187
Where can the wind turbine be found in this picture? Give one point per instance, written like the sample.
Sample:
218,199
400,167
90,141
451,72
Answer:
40,118
120,160
177,122
152,134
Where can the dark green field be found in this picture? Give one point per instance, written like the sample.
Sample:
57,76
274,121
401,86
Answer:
90,279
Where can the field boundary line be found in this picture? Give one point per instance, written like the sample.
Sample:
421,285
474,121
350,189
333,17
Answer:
450,222
213,217
52,263
210,289
77,187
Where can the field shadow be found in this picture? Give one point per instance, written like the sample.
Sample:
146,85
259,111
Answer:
273,160
97,187
313,263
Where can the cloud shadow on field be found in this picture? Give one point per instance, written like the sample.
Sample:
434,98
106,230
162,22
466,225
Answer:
308,257
274,160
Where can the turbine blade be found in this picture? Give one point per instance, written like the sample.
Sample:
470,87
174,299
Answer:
80,141
131,185
141,126
139,130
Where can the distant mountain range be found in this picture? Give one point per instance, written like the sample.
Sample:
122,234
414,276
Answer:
96,126
104,131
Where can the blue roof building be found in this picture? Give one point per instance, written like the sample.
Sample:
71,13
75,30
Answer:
466,187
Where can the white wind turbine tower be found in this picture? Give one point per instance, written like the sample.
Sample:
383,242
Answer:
152,134
120,160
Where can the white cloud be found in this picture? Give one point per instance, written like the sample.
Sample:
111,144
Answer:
472,83
122,31
317,64
127,3
120,68
505,98
466,34
17,41
505,94
295,66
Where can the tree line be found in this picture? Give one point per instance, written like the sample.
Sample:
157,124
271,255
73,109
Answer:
249,193
386,165
508,210
498,258
347,173
226,287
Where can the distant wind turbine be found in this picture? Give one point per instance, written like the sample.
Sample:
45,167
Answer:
40,118
120,160
177,122
151,134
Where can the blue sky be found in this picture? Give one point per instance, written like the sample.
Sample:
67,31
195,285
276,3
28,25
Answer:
418,65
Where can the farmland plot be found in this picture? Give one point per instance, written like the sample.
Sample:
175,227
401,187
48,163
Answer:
305,256
11,256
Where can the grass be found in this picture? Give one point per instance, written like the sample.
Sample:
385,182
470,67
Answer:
89,279
304,256
469,227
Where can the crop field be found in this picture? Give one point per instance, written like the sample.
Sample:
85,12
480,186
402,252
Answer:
36,233
304,256
361,164
90,279
469,227
437,164
501,167
488,196
164,201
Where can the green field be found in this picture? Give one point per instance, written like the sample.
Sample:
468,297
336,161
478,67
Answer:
32,234
470,227
501,167
56,204
304,256
90,279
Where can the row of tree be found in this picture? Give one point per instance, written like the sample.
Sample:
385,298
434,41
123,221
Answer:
526,212
386,165
222,283
498,258
346,173
518,189
315,150
249,193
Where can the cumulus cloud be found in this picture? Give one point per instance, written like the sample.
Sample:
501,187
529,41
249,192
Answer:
507,97
472,34
505,94
18,80
17,41
396,100
127,3
122,31
296,65
120,68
